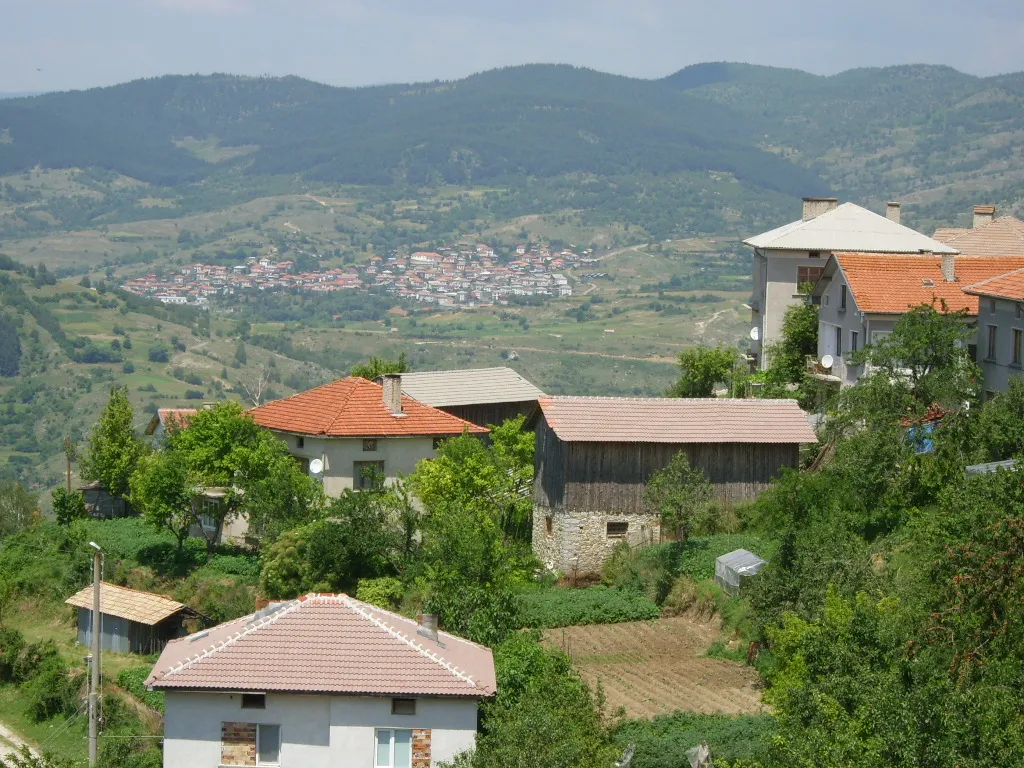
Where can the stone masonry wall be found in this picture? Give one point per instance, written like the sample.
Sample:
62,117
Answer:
578,542
421,748
238,744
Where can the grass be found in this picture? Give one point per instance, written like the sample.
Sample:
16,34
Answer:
64,737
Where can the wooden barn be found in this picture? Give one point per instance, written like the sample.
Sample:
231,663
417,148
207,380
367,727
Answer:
595,454
130,621
102,504
480,395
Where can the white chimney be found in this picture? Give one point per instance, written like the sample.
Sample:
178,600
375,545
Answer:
815,206
984,214
391,390
949,267
892,212
427,625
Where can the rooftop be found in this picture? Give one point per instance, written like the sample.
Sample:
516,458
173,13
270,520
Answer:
141,607
676,420
1009,286
848,228
355,407
326,644
180,416
469,387
894,284
1001,237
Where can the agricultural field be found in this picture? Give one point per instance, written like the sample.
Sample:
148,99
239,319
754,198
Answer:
657,667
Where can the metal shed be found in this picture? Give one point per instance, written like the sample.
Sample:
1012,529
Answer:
733,567
130,621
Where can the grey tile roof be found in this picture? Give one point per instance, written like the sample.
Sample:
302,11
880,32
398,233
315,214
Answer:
676,420
469,387
848,228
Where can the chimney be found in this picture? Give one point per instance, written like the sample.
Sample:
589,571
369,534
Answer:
428,625
949,267
815,206
984,214
391,389
892,212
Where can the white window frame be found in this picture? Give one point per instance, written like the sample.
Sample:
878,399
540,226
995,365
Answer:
391,750
280,743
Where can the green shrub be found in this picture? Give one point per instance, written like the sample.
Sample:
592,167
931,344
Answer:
647,571
662,742
594,605
385,592
12,643
697,557
689,596
218,598
133,680
52,690
245,567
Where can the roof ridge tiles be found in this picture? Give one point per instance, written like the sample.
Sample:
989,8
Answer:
344,403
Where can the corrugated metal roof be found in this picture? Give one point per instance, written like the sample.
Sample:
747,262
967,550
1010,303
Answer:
140,607
676,420
848,228
992,466
469,387
326,644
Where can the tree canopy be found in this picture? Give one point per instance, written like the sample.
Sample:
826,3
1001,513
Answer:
113,450
702,368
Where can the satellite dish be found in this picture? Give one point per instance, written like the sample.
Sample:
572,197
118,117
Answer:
826,361
316,466
754,333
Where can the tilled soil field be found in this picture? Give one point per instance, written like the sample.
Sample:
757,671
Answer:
656,667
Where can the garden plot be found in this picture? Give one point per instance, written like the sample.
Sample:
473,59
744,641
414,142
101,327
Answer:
656,667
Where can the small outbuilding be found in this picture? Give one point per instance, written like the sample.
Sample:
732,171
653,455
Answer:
102,504
480,395
733,567
130,621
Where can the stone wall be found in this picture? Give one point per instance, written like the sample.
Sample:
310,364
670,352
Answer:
576,542
421,748
238,743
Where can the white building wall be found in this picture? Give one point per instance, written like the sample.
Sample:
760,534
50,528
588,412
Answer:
775,286
316,731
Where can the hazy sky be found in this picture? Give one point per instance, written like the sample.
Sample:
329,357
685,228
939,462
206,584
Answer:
60,44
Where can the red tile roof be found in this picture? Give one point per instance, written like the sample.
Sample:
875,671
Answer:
892,284
1008,286
676,420
354,407
326,644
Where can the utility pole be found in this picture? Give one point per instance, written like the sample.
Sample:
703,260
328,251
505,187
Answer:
94,684
69,451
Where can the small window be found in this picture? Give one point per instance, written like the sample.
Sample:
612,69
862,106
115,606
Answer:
300,442
1018,342
993,336
806,277
549,525
617,530
839,340
992,306
438,441
268,744
814,254
403,706
854,341
254,701
394,748
303,463
369,445
1019,311
367,474
842,297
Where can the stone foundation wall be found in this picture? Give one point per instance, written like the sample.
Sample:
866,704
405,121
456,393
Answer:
575,542
238,744
421,748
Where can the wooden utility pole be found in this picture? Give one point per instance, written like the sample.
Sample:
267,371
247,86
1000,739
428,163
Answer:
94,684
69,451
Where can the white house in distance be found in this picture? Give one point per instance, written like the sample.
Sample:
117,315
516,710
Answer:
794,255
358,428
320,682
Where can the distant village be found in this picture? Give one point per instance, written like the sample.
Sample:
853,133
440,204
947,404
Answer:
453,276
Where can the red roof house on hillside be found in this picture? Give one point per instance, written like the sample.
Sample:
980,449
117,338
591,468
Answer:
360,431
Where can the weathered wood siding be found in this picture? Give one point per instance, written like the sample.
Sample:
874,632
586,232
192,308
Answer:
549,467
490,413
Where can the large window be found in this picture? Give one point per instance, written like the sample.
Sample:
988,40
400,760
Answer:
1018,341
268,744
394,748
993,337
806,277
368,474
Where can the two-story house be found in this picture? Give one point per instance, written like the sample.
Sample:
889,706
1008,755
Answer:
360,431
320,682
863,295
789,259
1000,329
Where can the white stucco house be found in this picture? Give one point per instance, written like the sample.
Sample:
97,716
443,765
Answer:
359,429
793,256
320,682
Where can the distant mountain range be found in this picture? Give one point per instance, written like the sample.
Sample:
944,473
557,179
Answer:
868,132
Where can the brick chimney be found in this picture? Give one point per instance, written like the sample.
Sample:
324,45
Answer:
892,212
984,214
949,267
391,390
815,206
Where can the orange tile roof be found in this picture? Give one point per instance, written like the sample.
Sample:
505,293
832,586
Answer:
354,407
1008,286
1001,237
326,644
892,284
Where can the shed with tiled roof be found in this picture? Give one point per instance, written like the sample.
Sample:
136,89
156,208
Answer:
594,456
131,621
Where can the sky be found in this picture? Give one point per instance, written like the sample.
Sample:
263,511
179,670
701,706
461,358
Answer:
72,44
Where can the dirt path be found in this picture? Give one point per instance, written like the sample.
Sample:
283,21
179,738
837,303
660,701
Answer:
11,743
656,667
701,325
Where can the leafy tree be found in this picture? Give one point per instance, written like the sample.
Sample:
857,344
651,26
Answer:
683,497
10,348
17,508
23,757
166,493
799,338
1000,425
68,506
113,450
159,352
701,368
379,366
241,357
